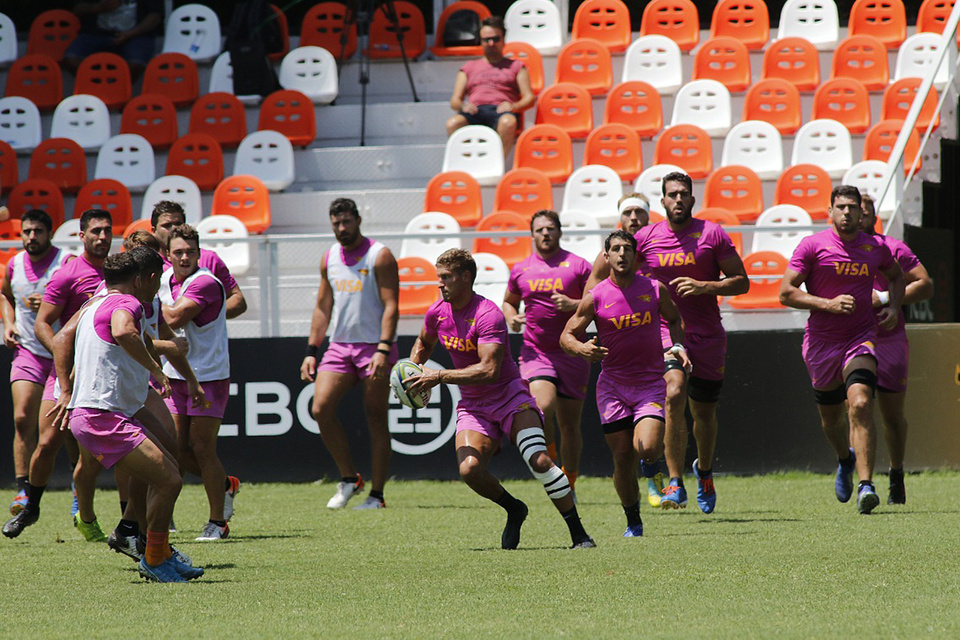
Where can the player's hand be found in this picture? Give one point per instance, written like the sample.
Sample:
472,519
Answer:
34,300
308,369
842,305
427,380
689,287
505,107
60,413
887,318
563,303
10,336
182,345
165,389
198,399
379,367
518,321
467,107
592,351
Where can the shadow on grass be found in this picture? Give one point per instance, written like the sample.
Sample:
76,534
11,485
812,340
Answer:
226,565
522,549
275,536
748,520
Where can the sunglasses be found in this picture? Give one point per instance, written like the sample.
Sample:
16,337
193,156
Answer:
491,40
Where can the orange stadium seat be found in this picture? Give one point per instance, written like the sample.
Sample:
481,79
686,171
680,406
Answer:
418,285
291,113
845,100
62,162
245,198
688,147
736,189
764,292
174,76
531,59
108,195
548,148
37,194
197,156
898,97
678,20
636,104
525,191
885,20
775,101
568,106
438,49
456,193
725,60
725,219
878,145
9,171
107,76
323,26
807,186
512,250
9,230
862,58
153,117
143,224
616,146
606,21
587,63
933,16
52,32
284,25
746,20
220,115
37,77
795,60
383,36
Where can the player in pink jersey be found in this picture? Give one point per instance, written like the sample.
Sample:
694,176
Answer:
838,267
631,391
550,283
496,404
893,349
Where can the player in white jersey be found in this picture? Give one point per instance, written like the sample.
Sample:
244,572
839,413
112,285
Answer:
26,277
359,302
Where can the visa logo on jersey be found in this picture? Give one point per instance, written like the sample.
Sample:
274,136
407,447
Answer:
627,320
852,268
457,343
545,284
678,259
348,286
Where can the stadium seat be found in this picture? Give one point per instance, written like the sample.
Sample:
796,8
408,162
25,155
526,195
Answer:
107,76
492,276
197,156
933,16
153,117
221,234
825,143
845,100
723,218
656,60
765,270
36,194
109,195
174,76
900,95
221,80
193,30
616,146
531,59
457,194
595,189
51,33
775,101
268,155
862,58
245,198
548,148
869,176
383,37
177,189
127,158
20,123
419,239
687,146
757,145
794,60
918,55
781,238
881,138
284,26
311,71
141,224
587,63
568,106
606,21
585,246
83,119
61,161
36,77
220,115
511,249
418,285
525,191
67,236
745,20
735,189
678,20
637,105
439,47
291,113
650,184
807,186
9,171
725,60
885,20
8,40
323,26
9,231
477,150
705,103
817,21
536,22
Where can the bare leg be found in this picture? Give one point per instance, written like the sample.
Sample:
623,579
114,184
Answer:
895,426
329,390
705,431
203,441
85,481
625,461
675,438
454,123
507,129
48,446
863,434
571,442
376,394
546,395
835,428
540,462
26,410
474,451
150,465
648,439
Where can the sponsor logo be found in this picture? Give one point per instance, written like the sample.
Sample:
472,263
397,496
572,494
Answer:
364,272
456,343
678,259
348,286
471,321
644,298
545,284
564,264
631,320
852,268
696,235
867,247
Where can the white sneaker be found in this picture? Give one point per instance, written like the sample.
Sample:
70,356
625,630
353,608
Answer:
228,496
213,531
371,503
345,491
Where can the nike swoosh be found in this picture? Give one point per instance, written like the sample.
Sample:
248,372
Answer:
441,317
607,306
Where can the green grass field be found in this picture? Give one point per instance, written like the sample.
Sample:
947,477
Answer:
779,558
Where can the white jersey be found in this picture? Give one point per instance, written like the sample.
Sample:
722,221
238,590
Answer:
357,307
209,354
105,376
22,289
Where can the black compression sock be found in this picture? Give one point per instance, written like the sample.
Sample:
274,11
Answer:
128,528
572,518
34,494
376,494
123,507
633,514
22,483
219,523
226,483
351,480
508,502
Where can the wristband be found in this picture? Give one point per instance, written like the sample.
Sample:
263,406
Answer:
676,349
389,343
385,352
311,351
884,297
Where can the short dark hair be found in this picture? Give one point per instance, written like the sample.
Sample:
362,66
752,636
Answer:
845,191
185,232
620,234
344,205
459,260
141,238
676,176
94,214
165,206
496,22
866,202
546,213
38,215
119,268
148,261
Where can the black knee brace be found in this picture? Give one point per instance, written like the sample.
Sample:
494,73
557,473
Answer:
862,376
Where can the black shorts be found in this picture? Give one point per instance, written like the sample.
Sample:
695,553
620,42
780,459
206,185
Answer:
487,116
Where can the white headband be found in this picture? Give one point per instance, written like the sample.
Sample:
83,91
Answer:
634,202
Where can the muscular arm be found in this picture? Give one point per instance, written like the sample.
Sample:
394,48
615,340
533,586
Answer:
8,310
511,311
318,323
735,282
181,312
46,316
388,284
422,348
526,92
459,91
919,286
791,295
600,272
887,318
575,326
670,313
236,303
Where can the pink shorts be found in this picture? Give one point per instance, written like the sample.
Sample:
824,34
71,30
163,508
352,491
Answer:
30,367
496,420
353,357
569,374
616,401
893,356
107,435
708,355
217,392
49,387
826,360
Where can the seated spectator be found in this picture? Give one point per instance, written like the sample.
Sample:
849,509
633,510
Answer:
124,27
493,90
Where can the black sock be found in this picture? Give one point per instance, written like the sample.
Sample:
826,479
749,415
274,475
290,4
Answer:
219,523
34,494
577,532
226,483
128,528
22,483
508,502
679,481
349,479
376,494
633,514
896,474
123,507
703,472
865,483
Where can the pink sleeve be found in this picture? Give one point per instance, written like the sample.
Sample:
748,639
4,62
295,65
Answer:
57,291
583,274
102,320
223,273
491,327
723,245
905,256
430,321
512,285
888,261
207,293
800,261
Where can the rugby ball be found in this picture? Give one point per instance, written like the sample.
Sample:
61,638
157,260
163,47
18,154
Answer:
398,381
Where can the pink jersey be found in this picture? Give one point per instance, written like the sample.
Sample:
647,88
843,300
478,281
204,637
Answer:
908,261
695,251
34,270
72,286
104,313
492,83
206,293
628,324
535,280
462,332
211,261
831,267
